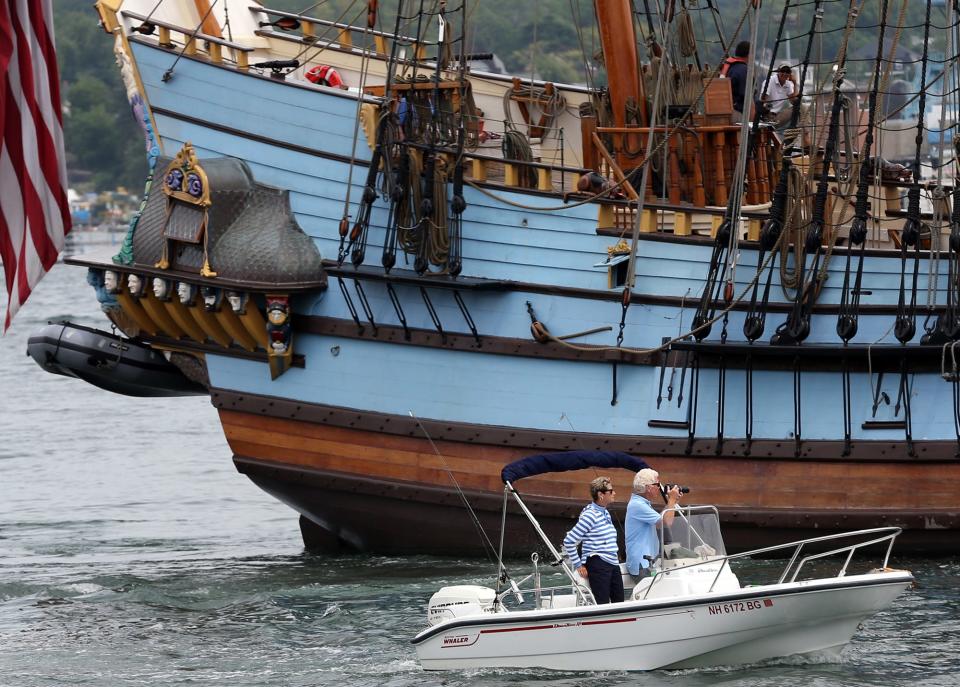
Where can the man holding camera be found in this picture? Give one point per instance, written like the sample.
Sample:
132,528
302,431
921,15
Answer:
642,542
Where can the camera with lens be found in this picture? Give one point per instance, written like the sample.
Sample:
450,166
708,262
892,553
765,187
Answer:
665,488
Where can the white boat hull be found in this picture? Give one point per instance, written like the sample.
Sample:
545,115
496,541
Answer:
750,625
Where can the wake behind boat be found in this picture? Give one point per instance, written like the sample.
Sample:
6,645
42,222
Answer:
693,611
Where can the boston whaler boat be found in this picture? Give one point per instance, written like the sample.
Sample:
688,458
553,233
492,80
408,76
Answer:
694,611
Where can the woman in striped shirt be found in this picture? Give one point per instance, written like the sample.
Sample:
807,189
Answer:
597,538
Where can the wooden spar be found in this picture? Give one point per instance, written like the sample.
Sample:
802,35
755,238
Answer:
615,168
619,42
209,25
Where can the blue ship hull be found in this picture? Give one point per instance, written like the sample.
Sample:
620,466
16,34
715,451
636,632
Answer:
437,381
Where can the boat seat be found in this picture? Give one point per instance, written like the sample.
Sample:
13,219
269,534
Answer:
559,601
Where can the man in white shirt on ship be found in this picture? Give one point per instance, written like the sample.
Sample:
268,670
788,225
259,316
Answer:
594,532
781,90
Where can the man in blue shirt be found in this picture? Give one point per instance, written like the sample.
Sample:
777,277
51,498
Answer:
642,521
597,537
735,69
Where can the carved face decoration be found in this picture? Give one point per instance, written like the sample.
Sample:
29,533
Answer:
135,285
186,292
211,298
161,288
110,281
278,346
278,309
238,302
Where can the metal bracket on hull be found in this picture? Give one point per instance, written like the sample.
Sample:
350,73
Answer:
903,397
797,413
350,306
847,411
694,396
467,317
433,314
365,304
399,309
721,402
748,415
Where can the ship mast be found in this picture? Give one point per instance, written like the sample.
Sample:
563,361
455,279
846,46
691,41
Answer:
208,23
619,43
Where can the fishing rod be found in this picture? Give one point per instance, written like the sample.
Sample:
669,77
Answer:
502,574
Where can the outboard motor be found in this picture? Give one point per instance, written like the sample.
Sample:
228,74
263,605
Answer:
459,601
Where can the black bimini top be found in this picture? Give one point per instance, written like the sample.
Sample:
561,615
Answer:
569,460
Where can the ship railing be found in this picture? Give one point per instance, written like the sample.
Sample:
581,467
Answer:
193,41
547,168
791,571
343,35
697,161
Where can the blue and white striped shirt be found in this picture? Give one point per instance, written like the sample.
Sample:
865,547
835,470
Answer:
595,531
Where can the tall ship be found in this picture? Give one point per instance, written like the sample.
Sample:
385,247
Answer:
394,270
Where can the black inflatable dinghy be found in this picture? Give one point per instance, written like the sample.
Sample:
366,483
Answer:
108,361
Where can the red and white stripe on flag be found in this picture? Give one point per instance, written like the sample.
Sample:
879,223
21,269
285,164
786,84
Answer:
34,213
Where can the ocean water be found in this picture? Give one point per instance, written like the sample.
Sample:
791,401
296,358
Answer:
133,553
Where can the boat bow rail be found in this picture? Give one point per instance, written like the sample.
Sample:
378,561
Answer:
820,548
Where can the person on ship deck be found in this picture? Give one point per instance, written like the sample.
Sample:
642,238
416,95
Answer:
735,69
781,90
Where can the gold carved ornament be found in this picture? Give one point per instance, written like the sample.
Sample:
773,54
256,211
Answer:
187,188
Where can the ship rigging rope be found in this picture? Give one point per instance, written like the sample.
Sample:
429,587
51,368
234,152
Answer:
463,497
188,41
790,278
884,83
940,195
849,310
543,334
708,78
735,201
364,66
686,36
905,327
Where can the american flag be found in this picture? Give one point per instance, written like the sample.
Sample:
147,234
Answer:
34,213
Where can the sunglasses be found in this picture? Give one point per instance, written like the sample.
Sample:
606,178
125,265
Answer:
607,491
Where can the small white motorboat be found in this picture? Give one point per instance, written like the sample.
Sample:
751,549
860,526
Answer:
692,612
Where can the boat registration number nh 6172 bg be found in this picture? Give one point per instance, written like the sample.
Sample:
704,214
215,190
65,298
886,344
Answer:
739,606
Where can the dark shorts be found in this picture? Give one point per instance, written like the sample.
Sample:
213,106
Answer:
605,580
